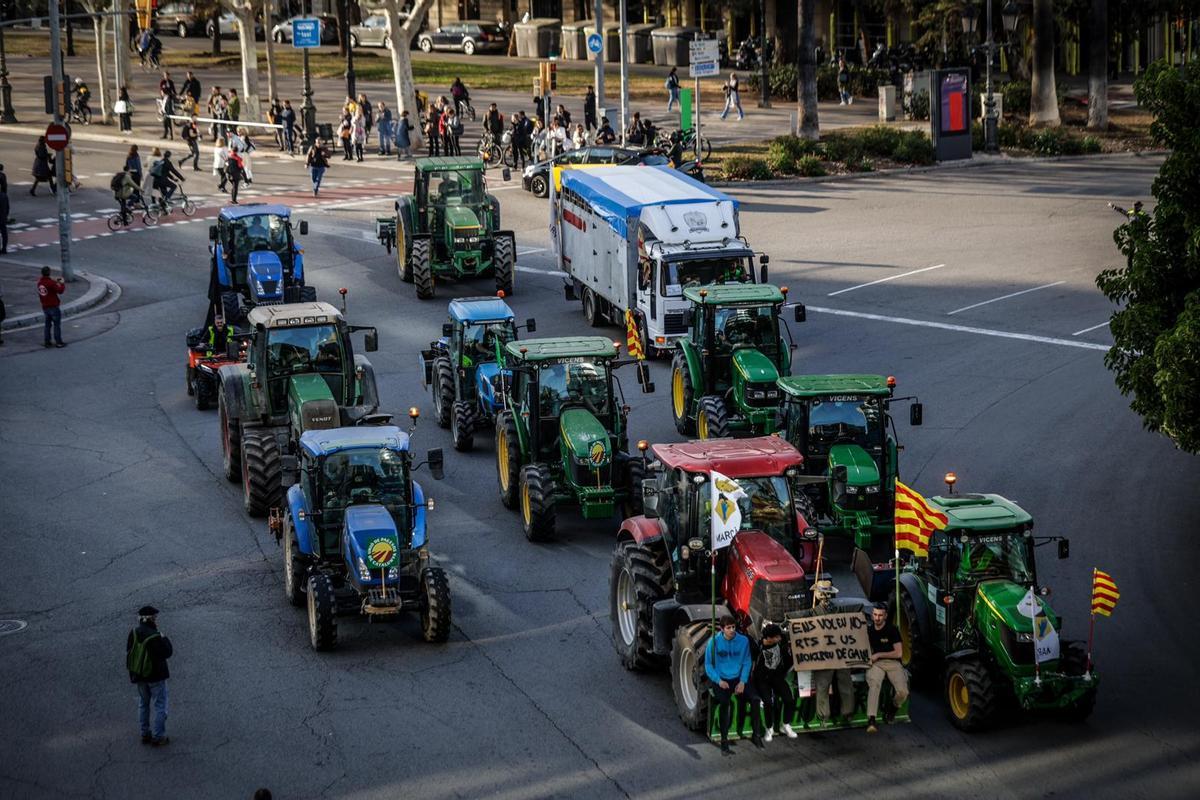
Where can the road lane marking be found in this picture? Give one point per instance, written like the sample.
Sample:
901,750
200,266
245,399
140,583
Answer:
946,326
552,272
1004,297
1094,327
884,280
529,250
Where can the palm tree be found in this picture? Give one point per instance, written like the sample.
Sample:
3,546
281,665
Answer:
1098,66
1043,103
806,59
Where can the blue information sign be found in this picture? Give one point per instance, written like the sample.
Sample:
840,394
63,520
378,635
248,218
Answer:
306,32
595,43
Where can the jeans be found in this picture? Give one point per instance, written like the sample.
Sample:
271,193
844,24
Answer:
317,174
53,319
778,704
733,100
152,694
672,98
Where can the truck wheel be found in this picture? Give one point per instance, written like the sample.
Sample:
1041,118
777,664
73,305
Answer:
591,309
504,262
443,391
537,502
640,577
231,307
293,569
713,420
681,396
460,426
308,294
231,445
508,458
261,486
422,268
435,605
689,683
322,613
540,186
970,694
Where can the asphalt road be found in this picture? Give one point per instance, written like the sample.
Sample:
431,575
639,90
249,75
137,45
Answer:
112,495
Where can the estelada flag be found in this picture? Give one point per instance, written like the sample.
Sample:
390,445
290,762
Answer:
1104,593
915,521
633,342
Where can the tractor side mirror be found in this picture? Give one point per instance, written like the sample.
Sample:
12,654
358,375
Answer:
371,341
436,463
304,227
212,233
447,329
800,313
506,174
916,414
531,325
763,260
1064,548
649,499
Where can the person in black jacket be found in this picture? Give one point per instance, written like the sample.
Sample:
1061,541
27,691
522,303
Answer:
589,110
772,663
152,685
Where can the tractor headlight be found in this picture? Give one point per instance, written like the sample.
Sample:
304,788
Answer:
1025,638
363,572
851,490
755,394
772,394
872,490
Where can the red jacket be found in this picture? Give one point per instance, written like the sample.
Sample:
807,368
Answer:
48,291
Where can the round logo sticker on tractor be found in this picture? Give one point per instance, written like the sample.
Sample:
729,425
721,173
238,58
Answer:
381,553
597,454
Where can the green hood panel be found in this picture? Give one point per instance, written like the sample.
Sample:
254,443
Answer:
861,469
303,388
584,437
754,367
311,405
1002,597
461,217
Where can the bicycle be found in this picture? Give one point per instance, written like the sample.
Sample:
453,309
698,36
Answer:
161,207
123,219
79,112
463,109
492,153
687,140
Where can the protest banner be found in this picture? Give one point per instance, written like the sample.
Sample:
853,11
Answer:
830,641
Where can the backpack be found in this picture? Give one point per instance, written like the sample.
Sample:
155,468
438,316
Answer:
117,182
156,169
456,127
138,660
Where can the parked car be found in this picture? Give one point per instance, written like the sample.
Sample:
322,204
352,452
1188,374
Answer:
373,32
469,36
180,19
282,33
229,26
536,177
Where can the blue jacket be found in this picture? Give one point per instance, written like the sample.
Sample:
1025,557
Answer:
728,660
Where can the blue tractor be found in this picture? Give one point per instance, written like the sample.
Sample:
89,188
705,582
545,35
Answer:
255,260
465,368
353,533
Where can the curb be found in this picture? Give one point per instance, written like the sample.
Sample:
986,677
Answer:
101,290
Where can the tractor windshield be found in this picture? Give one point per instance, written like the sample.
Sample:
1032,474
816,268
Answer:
845,418
480,342
993,555
300,350
261,232
745,325
366,475
677,275
767,507
455,187
582,383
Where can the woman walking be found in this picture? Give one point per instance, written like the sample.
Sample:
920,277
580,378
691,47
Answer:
220,157
123,108
43,167
317,163
167,101
672,85
843,79
733,98
403,138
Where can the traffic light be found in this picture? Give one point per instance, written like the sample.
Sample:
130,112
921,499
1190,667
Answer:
553,76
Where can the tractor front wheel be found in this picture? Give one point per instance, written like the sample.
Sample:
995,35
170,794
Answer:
443,391
422,268
504,262
435,605
640,577
689,683
713,420
293,568
460,426
231,453
681,396
508,458
970,694
635,472
403,256
322,613
261,467
537,502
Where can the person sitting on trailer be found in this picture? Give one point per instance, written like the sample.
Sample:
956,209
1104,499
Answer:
727,664
886,653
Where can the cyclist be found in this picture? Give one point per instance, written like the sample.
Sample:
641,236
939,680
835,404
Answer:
462,97
125,192
162,180
79,98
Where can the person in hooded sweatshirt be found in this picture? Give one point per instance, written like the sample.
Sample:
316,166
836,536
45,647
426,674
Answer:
727,663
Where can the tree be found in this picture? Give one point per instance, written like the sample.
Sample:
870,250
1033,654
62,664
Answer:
243,12
401,36
98,9
269,40
1098,66
1156,335
1043,96
806,59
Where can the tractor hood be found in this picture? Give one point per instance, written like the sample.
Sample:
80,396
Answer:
266,276
766,558
487,380
584,437
861,469
311,404
1001,597
463,224
754,367
370,538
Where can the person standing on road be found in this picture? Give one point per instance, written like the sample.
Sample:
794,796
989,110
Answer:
274,110
191,87
43,168
769,675
733,97
672,85
166,85
886,652
433,131
123,108
317,163
345,129
235,174
493,121
364,106
358,133
3,216
383,120
242,144
589,110
454,126
287,118
843,81
167,101
404,130
49,290
727,664
191,137
146,654
235,105
133,164
220,156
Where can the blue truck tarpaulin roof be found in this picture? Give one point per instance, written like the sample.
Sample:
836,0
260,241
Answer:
620,193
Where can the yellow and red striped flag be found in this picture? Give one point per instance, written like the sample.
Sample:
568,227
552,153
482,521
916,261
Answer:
1104,593
915,521
633,341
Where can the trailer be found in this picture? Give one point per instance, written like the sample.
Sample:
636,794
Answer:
632,238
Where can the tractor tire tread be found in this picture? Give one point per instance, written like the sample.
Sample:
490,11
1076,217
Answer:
504,262
422,268
506,434
444,390
436,612
262,465
717,415
464,440
322,606
535,478
685,424
651,574
693,636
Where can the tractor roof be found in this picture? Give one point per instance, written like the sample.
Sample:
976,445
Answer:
435,163
980,512
292,315
479,309
726,294
805,386
734,458
335,440
561,347
254,209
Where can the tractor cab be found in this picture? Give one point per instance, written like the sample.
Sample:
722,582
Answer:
255,255
452,200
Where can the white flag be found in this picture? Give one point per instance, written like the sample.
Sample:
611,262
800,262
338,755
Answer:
1045,639
726,516
1029,605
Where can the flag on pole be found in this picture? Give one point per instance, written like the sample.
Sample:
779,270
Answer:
633,341
1104,593
726,516
915,521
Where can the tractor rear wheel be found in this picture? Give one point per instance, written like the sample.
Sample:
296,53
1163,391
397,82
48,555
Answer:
261,467
537,502
970,694
504,263
443,391
460,426
640,577
435,605
635,471
915,648
713,420
689,683
422,268
293,568
308,294
681,396
322,613
231,443
508,458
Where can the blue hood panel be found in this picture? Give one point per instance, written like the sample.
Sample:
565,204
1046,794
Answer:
366,522
266,276
487,383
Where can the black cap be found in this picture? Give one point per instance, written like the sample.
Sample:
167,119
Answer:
147,611
771,630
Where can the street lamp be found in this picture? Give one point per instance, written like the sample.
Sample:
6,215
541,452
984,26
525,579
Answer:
7,114
308,112
970,18
348,43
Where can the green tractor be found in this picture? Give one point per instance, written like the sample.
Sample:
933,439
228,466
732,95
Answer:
301,374
449,227
842,426
563,438
967,614
724,371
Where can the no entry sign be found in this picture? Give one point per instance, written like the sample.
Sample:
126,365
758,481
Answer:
57,136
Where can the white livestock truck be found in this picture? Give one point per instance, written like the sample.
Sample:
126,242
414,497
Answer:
633,237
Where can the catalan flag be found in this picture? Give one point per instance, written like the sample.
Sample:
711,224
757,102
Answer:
915,521
633,341
1104,593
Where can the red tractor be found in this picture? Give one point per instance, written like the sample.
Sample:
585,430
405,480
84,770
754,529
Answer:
661,577
203,362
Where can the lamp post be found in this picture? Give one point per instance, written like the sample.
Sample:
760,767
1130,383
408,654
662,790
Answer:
347,43
970,18
308,112
764,81
7,114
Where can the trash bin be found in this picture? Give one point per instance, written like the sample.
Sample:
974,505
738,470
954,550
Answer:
637,44
671,46
612,41
574,42
538,38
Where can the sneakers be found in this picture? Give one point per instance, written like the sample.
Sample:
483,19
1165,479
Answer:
769,735
787,729
841,102
61,344
160,742
871,726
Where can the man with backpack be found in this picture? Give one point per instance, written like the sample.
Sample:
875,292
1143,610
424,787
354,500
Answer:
124,189
146,654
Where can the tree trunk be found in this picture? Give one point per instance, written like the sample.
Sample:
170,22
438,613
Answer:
216,26
806,60
1098,66
343,21
1043,104
99,28
402,36
268,24
121,61
249,53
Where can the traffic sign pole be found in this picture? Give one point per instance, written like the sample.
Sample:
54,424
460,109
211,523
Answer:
60,163
599,58
703,62
624,74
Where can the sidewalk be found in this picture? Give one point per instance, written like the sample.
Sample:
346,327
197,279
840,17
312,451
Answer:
18,282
